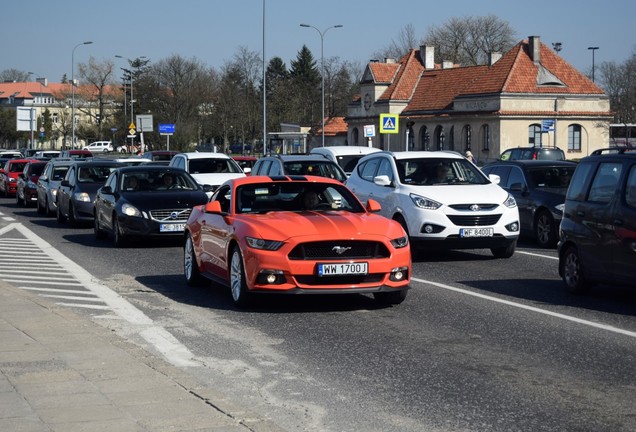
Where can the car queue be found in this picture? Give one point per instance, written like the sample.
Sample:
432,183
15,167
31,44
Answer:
423,199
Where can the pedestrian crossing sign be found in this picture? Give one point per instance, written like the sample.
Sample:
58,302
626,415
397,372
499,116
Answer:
389,123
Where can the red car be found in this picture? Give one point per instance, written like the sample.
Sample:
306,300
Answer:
303,235
27,183
9,175
245,162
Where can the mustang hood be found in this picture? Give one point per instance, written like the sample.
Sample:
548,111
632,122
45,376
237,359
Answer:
327,224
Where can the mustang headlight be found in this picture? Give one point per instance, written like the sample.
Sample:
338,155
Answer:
401,242
130,210
425,203
258,243
82,196
510,201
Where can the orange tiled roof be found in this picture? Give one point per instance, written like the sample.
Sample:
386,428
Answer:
408,76
333,126
30,90
383,72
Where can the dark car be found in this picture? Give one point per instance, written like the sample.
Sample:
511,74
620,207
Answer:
532,153
294,164
146,201
49,182
158,155
76,193
539,187
597,243
76,154
27,185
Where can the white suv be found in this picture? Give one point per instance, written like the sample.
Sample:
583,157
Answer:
208,168
100,147
441,199
345,156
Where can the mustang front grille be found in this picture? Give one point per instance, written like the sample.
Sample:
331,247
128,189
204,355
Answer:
339,250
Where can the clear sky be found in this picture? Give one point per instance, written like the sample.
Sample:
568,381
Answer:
39,36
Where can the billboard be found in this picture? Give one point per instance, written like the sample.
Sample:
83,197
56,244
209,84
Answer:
26,119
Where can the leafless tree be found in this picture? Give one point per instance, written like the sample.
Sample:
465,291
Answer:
95,94
406,40
468,41
619,82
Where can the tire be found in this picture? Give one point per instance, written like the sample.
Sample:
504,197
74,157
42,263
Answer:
119,238
390,298
190,267
59,216
97,229
574,280
545,229
18,201
71,216
238,284
504,251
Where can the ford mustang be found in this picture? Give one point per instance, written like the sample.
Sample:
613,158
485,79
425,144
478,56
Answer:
295,235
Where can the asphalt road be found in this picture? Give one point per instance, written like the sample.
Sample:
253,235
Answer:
480,344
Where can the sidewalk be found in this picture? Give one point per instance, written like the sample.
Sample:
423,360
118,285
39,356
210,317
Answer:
61,372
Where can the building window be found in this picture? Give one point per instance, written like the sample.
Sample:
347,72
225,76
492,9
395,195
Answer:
467,137
451,138
485,137
440,137
574,137
534,135
356,136
425,139
55,118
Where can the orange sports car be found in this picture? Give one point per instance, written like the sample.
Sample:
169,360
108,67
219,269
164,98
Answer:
296,235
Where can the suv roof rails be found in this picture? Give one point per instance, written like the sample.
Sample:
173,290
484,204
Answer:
612,150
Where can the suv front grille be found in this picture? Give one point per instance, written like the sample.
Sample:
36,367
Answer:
327,250
174,215
475,220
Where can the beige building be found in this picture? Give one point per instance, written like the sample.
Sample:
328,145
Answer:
528,96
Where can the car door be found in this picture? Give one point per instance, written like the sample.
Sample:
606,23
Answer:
105,202
65,190
624,222
517,185
362,183
216,231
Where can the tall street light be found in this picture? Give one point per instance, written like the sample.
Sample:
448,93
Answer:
73,90
593,49
322,63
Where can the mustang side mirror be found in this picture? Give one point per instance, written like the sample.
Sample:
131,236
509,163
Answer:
373,206
213,207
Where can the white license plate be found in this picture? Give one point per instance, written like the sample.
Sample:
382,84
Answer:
171,227
355,268
476,232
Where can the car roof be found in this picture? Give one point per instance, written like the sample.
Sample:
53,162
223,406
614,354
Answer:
301,157
150,168
244,158
204,155
283,178
98,162
419,154
345,150
532,162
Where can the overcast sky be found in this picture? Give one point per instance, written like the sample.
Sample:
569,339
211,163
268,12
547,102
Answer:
39,36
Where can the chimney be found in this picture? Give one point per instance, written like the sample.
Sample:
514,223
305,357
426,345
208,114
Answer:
389,60
427,56
534,46
494,57
447,64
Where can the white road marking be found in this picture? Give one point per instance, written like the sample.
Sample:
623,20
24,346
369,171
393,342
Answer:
537,255
530,308
174,352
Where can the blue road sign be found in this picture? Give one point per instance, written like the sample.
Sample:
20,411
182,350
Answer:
166,128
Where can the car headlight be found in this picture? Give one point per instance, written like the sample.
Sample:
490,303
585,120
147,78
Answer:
510,202
425,203
401,242
53,193
130,210
258,243
82,196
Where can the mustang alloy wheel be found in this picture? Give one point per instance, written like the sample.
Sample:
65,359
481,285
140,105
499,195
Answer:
190,268
238,286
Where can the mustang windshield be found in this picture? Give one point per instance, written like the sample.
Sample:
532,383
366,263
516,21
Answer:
295,196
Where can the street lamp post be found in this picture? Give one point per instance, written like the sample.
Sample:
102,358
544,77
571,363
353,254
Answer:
73,90
32,109
593,49
322,65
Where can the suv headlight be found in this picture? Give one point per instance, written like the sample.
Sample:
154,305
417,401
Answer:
425,203
510,201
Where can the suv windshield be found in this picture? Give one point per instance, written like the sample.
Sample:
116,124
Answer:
317,168
213,165
431,171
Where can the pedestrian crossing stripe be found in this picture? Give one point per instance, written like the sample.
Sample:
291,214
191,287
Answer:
389,123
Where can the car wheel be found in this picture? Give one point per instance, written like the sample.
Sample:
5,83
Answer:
545,229
572,271
17,199
504,251
118,236
190,267
238,285
97,229
390,298
71,216
59,216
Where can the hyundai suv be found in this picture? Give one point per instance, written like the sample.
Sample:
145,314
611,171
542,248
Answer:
598,231
298,164
441,199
